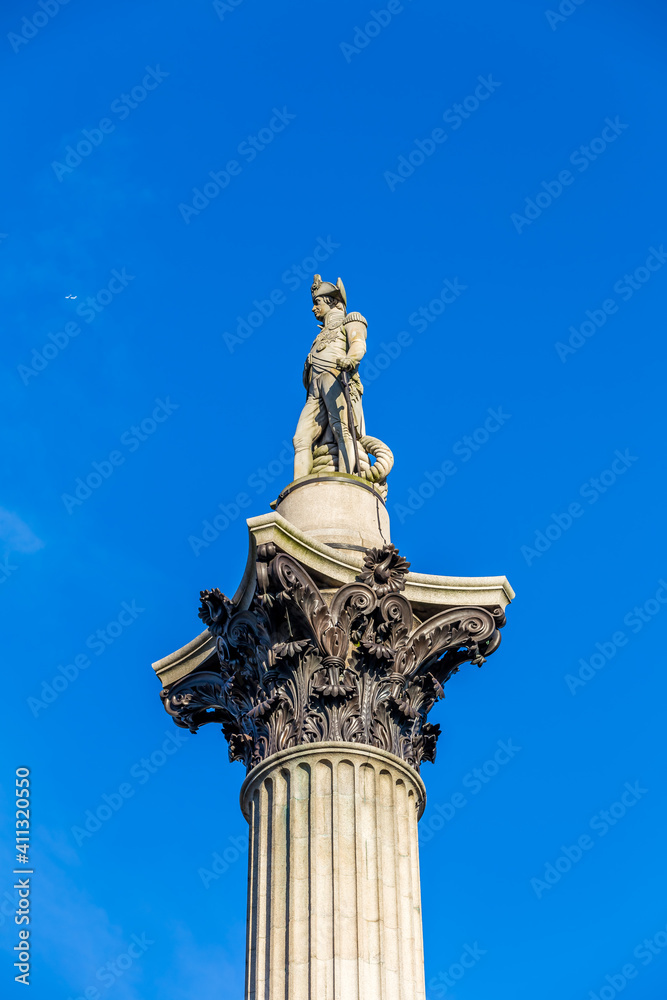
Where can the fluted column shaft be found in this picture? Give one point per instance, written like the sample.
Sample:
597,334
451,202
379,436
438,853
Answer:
334,909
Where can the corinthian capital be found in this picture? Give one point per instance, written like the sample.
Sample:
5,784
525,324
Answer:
299,662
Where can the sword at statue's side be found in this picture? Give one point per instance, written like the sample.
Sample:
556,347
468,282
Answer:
344,379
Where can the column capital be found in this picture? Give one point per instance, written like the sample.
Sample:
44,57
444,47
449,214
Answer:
300,663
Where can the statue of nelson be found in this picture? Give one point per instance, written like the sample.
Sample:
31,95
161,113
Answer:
339,346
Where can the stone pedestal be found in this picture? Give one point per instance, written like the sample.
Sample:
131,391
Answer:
340,510
334,908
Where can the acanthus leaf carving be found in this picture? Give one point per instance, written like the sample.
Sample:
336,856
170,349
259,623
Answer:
297,668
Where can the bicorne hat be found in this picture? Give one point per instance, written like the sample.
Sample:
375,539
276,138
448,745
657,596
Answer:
320,287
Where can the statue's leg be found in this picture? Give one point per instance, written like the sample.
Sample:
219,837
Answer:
307,432
334,400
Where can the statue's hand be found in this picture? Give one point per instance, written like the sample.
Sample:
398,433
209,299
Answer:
346,364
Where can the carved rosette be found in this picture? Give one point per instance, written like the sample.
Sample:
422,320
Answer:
298,668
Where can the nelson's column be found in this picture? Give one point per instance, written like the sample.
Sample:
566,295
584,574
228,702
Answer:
322,670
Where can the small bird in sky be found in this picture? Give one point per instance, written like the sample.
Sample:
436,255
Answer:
71,296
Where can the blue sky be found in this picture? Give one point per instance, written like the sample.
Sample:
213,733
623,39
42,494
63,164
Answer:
541,200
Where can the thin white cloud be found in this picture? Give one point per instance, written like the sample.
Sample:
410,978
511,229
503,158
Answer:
77,937
15,535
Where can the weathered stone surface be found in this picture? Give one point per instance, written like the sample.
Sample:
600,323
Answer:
320,506
334,909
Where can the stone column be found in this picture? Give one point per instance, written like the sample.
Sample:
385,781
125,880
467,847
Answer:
334,909
322,671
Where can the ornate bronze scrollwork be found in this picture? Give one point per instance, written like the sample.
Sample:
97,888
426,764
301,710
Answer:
296,668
